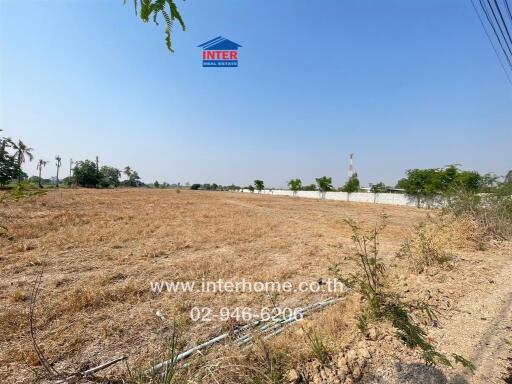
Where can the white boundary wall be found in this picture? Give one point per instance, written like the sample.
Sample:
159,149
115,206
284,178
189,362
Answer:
359,197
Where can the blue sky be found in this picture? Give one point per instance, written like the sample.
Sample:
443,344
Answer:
400,84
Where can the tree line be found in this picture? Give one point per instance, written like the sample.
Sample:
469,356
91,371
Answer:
423,184
323,184
215,187
84,173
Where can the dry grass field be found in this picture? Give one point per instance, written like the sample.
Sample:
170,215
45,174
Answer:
100,249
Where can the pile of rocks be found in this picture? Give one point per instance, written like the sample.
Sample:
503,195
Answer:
345,368
379,358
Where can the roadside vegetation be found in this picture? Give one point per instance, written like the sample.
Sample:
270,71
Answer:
382,304
83,173
428,187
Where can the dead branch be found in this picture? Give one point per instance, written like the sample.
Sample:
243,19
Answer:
90,372
52,372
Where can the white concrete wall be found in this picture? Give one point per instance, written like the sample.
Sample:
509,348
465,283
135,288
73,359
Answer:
359,197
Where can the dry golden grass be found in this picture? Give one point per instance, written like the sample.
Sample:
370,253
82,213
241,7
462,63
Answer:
433,242
101,248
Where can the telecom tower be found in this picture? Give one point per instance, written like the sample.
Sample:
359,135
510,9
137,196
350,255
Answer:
350,166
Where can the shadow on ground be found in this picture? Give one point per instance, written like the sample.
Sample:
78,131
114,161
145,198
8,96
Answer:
412,374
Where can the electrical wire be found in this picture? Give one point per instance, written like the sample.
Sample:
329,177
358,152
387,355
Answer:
508,9
489,20
502,20
496,35
504,37
492,44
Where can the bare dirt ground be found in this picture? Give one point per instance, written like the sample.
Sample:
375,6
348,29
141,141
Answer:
100,249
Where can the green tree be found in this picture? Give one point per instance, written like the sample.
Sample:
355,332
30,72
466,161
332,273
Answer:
295,185
250,188
310,187
379,188
324,183
233,187
156,184
127,171
426,184
153,9
468,180
421,183
85,174
259,185
40,165
67,181
352,184
508,177
21,150
446,178
489,182
9,168
134,180
58,163
109,176
195,187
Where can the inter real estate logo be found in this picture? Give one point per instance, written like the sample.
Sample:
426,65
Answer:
220,52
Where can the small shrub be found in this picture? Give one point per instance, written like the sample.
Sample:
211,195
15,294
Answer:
317,345
173,372
18,296
434,241
428,246
3,231
381,304
267,364
22,190
492,211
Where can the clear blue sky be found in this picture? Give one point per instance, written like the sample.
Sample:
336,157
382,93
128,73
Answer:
400,84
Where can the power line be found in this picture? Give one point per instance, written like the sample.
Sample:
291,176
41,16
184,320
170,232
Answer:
508,9
503,20
499,27
496,35
492,44
495,32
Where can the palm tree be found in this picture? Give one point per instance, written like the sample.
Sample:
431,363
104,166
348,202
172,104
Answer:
21,151
58,164
40,165
127,171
